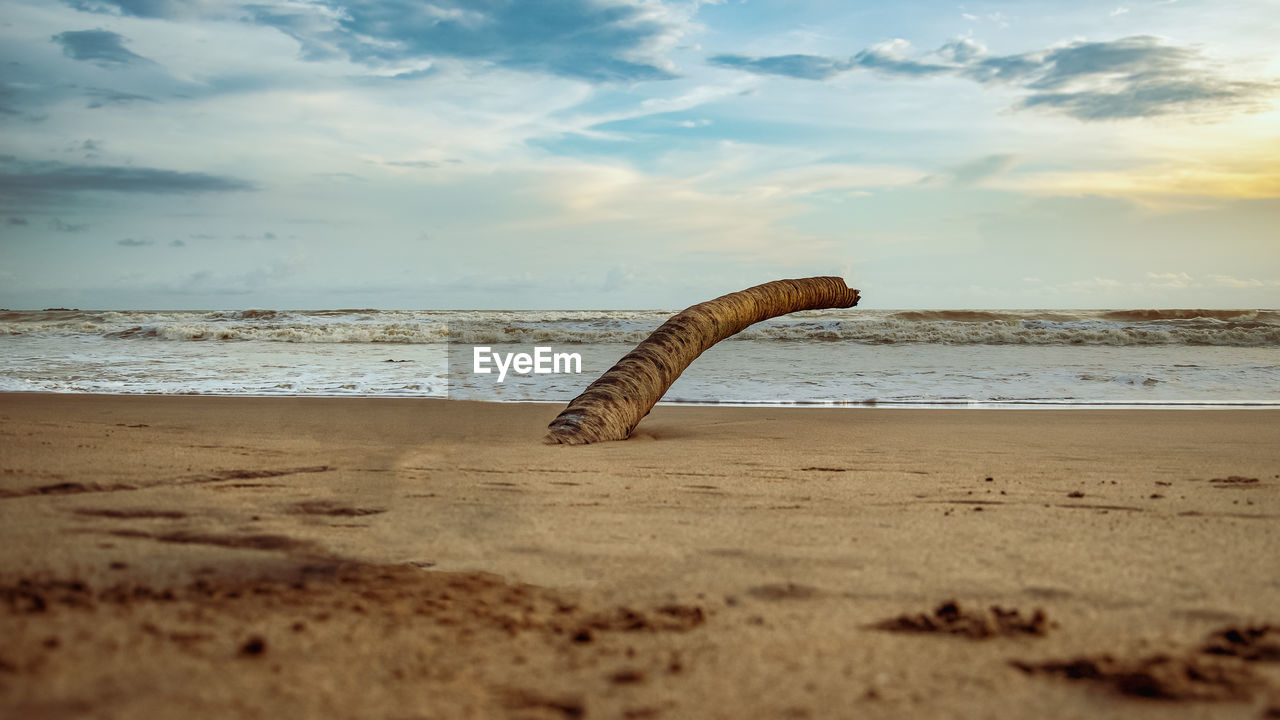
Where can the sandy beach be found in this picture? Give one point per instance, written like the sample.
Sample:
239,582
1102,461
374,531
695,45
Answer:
388,558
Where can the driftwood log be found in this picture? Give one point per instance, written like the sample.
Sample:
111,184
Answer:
612,406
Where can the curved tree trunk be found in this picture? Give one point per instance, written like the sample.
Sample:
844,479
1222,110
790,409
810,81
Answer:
614,404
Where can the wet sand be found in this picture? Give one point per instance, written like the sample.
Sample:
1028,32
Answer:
290,557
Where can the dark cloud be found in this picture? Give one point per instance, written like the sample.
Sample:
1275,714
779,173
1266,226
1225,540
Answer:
1127,78
130,242
1131,56
804,67
340,176
820,67
1152,97
90,149
1131,77
136,8
98,46
59,225
18,221
889,64
416,164
102,97
27,90
23,179
583,39
1008,68
177,243
313,30
8,96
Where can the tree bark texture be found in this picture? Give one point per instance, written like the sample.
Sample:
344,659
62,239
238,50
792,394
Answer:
612,406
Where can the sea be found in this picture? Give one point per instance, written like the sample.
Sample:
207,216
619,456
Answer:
853,357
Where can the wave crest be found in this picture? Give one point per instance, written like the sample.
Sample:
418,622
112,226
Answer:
1243,328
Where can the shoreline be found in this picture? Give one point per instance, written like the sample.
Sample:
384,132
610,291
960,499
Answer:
782,404
221,555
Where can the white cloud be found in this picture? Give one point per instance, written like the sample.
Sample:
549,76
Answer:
1228,281
814,178
1170,280
679,215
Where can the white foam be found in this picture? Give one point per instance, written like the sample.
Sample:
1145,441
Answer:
839,357
1113,328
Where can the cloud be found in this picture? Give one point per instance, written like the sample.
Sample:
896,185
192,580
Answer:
1183,280
8,95
178,243
89,149
617,278
130,242
884,58
1170,280
972,172
1006,68
890,59
1132,77
962,50
209,282
804,67
18,221
102,47
58,225
1150,98
315,28
798,181
588,40
415,164
1135,57
1228,281
20,179
134,8
1252,173
103,97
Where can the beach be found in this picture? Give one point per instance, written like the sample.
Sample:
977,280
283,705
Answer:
429,558
909,360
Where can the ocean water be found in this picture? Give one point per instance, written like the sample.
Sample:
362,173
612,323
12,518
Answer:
1176,358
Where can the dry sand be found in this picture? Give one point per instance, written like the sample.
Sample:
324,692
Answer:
252,557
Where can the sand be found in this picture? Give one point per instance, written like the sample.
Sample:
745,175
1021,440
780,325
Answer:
293,557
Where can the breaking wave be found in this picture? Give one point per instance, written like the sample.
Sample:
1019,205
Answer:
1241,328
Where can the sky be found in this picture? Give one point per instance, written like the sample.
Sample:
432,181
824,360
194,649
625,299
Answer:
614,154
